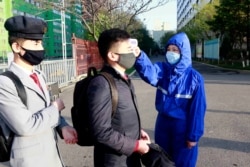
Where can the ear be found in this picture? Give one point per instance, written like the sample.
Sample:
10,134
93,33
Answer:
113,57
15,47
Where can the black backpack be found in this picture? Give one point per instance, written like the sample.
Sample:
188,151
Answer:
5,144
79,111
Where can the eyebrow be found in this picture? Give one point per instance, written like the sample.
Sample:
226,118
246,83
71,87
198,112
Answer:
37,41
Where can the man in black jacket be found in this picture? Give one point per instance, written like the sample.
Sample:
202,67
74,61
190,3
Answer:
119,139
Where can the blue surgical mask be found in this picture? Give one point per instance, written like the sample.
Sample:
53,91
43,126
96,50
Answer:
172,57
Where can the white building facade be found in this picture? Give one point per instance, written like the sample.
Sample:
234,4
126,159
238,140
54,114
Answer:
186,10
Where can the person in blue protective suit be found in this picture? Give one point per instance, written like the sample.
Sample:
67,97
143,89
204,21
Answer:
180,100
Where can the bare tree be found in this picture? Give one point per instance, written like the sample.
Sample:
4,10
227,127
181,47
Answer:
98,15
115,13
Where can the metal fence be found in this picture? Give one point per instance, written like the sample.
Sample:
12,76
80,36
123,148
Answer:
62,72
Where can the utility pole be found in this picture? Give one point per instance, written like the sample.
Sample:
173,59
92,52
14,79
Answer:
248,30
64,42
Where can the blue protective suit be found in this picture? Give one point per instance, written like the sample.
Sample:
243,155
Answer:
180,102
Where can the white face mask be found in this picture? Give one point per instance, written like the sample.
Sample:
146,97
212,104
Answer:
172,57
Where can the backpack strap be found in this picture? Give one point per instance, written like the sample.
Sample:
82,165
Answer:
113,90
21,93
19,86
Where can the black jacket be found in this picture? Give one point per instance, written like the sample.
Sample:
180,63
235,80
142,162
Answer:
115,137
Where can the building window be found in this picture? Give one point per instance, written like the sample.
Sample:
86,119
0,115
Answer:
37,4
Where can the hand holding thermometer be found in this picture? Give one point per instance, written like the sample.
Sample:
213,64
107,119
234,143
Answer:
134,46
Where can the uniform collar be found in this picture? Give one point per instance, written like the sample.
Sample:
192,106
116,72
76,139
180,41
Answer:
23,69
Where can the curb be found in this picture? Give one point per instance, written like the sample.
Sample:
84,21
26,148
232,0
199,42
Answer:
64,88
238,70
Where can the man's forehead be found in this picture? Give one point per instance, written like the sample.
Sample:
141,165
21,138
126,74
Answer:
120,44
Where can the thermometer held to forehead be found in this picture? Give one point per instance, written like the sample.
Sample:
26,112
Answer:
133,42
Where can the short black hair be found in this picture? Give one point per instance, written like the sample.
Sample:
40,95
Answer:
12,40
108,37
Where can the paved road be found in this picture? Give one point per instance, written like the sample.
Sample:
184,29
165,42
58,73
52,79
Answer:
226,142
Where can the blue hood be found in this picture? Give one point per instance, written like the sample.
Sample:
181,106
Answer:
182,42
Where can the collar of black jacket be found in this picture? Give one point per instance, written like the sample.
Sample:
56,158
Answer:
107,68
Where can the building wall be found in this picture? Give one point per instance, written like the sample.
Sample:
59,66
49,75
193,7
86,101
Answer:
53,39
50,12
76,22
86,54
5,12
186,10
